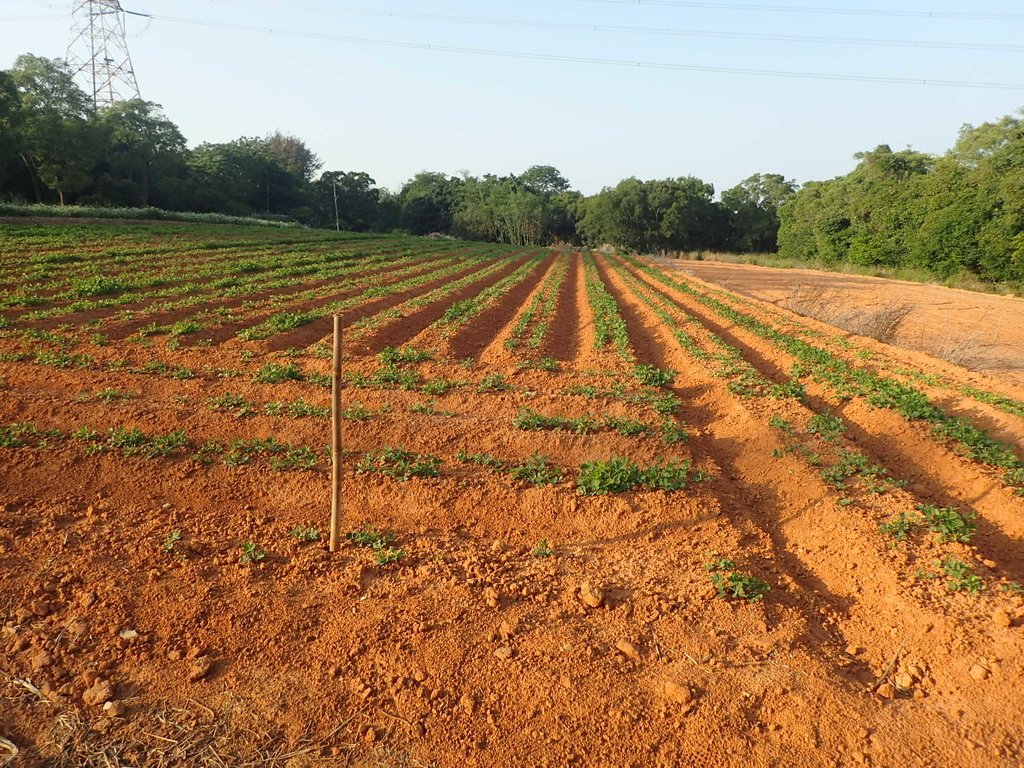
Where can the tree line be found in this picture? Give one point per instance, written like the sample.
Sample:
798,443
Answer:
960,212
55,149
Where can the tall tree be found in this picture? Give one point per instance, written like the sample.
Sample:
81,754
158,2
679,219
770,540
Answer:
293,155
57,138
11,117
429,201
753,209
142,149
358,200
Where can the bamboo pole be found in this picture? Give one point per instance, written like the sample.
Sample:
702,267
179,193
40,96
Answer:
336,438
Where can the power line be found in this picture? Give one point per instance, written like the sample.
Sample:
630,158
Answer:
908,14
593,60
670,32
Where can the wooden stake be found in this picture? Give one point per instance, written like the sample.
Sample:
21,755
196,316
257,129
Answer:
336,438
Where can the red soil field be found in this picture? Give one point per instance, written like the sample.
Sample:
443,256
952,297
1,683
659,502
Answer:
521,624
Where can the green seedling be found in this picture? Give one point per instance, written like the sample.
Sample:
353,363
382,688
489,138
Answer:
305,534
171,539
537,470
543,549
826,426
900,527
399,464
961,577
251,553
949,523
407,355
731,584
276,373
652,376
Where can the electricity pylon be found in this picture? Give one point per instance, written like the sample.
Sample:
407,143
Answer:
98,52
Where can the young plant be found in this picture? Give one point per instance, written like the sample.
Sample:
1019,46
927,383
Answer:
731,584
537,470
543,548
949,523
276,373
251,553
652,376
379,542
961,577
399,464
599,478
171,540
407,355
826,426
494,382
305,534
900,527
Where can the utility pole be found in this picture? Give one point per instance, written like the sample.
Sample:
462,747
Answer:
98,52
337,220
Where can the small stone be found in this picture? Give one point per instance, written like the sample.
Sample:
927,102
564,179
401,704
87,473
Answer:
507,629
886,691
491,597
41,661
853,650
904,681
627,649
680,694
992,564
199,668
591,596
100,692
370,735
1002,618
174,655
979,672
504,652
497,546
115,709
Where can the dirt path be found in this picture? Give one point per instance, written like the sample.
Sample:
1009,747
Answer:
979,330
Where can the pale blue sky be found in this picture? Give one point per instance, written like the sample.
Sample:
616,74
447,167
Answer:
394,111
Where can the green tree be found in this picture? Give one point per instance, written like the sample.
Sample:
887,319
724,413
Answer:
429,201
293,155
239,177
143,156
753,209
10,124
58,143
359,200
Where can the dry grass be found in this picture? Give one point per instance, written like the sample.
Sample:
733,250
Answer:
184,735
831,306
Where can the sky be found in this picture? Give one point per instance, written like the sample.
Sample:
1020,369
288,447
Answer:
393,111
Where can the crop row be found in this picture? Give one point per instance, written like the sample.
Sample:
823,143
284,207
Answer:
532,324
846,381
594,478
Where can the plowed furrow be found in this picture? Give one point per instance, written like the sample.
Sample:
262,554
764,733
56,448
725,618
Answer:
400,331
476,335
563,338
936,475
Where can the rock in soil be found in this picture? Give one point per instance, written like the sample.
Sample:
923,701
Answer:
591,596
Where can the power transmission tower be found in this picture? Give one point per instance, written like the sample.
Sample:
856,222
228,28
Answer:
98,51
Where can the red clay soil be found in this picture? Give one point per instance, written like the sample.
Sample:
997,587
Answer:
985,330
123,645
563,338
